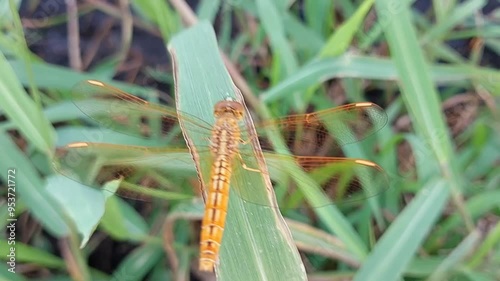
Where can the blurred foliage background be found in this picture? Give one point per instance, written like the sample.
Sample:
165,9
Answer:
432,65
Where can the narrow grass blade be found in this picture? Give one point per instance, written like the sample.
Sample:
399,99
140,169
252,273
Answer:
313,240
455,258
272,21
139,263
207,10
31,255
399,244
342,38
28,186
394,251
317,12
161,14
63,79
459,14
354,66
22,110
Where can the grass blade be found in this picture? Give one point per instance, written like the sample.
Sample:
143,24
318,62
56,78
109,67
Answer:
394,251
28,184
405,235
355,66
22,110
342,38
251,230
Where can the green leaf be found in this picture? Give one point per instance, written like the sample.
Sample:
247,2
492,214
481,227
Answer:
29,187
22,111
6,275
61,78
27,254
272,20
251,230
310,239
396,248
459,14
160,13
139,263
408,232
350,65
70,195
342,38
207,10
319,15
123,222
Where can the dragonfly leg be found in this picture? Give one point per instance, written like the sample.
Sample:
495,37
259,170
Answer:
245,142
249,140
249,168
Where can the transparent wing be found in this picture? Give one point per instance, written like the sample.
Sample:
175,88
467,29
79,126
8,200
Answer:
320,133
145,172
338,180
155,172
119,111
306,134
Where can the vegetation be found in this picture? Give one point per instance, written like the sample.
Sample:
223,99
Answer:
433,70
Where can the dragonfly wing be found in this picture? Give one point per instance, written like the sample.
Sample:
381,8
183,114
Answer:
319,181
125,113
141,169
330,128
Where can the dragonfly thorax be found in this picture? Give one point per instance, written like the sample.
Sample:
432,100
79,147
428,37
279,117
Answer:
229,108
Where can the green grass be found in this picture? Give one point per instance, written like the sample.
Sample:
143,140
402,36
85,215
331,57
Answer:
437,221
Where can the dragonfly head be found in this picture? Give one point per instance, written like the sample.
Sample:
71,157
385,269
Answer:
229,108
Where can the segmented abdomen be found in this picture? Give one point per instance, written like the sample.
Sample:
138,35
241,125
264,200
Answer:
215,212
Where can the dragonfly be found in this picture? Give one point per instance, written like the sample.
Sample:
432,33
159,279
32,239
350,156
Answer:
95,164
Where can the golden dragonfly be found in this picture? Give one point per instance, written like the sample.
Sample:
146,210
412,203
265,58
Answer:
341,179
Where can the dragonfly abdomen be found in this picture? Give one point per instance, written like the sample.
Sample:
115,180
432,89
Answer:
224,146
215,214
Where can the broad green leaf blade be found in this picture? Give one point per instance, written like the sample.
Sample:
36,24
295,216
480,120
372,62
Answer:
122,221
251,230
70,195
